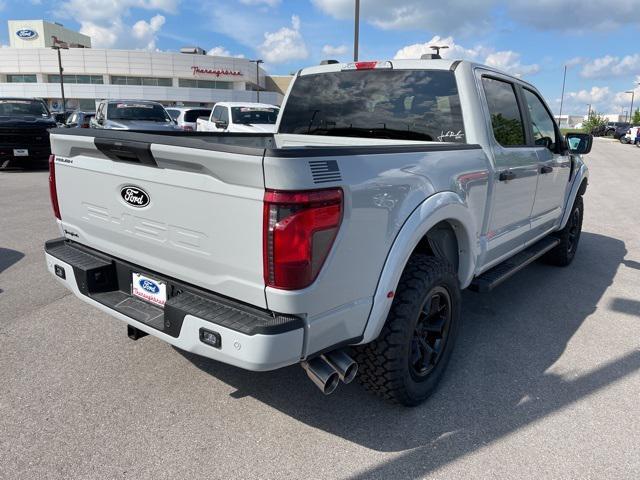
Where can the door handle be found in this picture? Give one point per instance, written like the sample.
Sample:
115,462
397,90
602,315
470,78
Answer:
546,169
506,175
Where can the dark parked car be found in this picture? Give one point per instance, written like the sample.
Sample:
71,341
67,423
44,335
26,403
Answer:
611,127
80,119
24,136
621,131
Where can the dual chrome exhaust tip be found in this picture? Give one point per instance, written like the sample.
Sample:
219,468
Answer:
327,370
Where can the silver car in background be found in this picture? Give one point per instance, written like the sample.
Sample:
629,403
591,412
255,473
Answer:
139,115
186,117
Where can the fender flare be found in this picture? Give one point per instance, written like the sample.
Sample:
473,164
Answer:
581,175
443,206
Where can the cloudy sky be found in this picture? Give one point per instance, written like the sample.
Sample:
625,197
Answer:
534,39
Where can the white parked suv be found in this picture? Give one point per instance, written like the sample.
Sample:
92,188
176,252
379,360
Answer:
343,241
233,117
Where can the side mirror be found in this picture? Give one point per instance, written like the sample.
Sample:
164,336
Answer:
579,143
221,124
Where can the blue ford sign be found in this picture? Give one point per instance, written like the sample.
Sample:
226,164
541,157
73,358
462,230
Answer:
26,34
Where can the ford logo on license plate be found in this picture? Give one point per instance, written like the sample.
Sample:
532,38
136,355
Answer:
149,285
134,196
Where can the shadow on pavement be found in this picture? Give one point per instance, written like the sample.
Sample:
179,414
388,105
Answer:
8,257
625,305
497,381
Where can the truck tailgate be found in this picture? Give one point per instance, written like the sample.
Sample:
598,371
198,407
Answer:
202,222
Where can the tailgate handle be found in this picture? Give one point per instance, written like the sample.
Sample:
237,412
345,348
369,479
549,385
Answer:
126,151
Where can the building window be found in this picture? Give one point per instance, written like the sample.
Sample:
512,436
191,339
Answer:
146,81
21,79
84,79
194,83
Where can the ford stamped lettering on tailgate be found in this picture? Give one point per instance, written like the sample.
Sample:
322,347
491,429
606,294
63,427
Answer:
141,227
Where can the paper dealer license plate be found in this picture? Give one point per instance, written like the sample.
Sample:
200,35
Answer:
149,289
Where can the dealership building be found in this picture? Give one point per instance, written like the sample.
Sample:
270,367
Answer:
29,68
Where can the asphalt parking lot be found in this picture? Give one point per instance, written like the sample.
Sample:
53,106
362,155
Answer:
544,383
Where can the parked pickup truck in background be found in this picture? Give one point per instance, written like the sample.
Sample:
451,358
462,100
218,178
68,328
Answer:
343,241
24,136
240,118
137,115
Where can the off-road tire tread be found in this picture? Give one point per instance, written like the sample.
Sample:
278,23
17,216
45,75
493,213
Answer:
558,255
380,363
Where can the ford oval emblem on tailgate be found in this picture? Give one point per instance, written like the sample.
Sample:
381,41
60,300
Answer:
134,196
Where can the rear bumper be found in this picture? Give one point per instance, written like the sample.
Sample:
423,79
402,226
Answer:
37,154
251,338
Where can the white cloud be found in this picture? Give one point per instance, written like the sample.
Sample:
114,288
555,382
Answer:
222,52
576,15
104,21
337,51
285,44
609,65
595,95
575,61
269,3
454,51
145,32
413,14
507,60
458,16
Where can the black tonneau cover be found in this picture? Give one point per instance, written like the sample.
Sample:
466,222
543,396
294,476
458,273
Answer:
258,144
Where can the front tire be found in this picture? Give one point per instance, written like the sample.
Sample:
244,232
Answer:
406,362
564,253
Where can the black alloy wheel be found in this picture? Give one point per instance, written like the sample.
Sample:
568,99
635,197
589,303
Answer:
431,333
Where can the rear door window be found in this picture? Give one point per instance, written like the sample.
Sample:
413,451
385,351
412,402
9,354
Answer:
394,104
193,115
506,118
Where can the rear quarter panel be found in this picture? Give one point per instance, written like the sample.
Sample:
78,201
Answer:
380,191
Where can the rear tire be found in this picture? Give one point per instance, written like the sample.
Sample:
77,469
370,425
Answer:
564,253
406,362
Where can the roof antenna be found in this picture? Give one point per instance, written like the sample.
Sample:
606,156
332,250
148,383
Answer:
437,49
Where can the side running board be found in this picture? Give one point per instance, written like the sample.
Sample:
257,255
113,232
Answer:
498,274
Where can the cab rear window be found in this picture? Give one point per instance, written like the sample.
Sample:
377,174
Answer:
394,104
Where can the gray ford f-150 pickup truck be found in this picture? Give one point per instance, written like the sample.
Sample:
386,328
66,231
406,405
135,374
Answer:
342,242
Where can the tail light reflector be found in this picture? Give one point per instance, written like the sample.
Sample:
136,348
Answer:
299,230
53,192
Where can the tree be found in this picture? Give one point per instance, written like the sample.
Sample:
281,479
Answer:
636,117
594,121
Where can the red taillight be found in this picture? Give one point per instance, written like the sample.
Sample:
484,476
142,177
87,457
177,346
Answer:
53,192
299,230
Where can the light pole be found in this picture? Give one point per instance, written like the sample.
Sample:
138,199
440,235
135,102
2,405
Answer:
61,46
564,80
258,62
356,32
633,93
588,111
